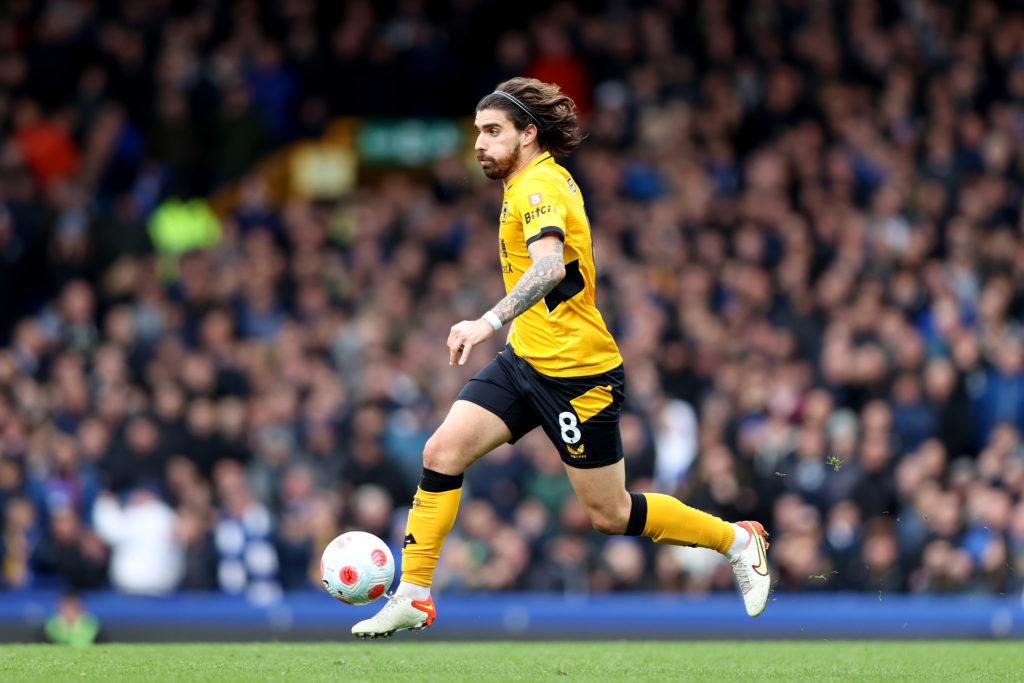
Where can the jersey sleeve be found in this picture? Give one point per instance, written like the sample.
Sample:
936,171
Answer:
541,207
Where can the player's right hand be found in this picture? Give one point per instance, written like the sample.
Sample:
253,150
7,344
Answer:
464,336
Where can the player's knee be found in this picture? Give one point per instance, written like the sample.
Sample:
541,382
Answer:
609,522
442,455
434,453
610,517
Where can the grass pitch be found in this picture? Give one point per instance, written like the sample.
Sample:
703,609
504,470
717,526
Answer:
525,661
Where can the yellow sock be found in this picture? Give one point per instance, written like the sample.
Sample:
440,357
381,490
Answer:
433,513
673,522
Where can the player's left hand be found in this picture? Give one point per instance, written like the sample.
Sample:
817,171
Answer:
464,336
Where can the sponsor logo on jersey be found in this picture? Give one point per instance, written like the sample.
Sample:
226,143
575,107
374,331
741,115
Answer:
572,185
536,199
504,211
534,214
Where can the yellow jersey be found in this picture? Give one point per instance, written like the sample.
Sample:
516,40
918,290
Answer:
563,335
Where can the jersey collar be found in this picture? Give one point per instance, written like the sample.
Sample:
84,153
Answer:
539,159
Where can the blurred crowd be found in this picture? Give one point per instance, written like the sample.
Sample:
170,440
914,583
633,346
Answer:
807,220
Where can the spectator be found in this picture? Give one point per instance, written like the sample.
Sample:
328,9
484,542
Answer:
20,534
71,552
46,145
138,459
145,557
247,561
71,624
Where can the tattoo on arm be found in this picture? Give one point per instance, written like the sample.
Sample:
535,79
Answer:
547,271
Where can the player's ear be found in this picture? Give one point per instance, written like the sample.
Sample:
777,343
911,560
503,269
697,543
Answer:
529,134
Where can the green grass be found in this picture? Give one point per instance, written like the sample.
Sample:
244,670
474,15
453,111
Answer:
436,661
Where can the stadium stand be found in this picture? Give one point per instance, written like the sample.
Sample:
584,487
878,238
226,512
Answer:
228,274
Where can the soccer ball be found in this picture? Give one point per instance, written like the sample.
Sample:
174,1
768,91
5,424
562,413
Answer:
357,568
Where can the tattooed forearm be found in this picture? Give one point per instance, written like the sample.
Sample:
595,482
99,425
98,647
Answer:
536,282
539,279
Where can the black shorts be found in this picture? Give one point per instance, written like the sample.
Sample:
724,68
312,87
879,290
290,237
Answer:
579,414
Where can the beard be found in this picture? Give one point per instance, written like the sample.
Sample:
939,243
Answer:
499,169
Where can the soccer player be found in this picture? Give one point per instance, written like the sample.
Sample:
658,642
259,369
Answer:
560,370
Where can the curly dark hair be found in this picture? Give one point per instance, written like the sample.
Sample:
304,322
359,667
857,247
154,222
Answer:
546,106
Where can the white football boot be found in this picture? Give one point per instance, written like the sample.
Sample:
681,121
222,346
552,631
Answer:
751,569
399,612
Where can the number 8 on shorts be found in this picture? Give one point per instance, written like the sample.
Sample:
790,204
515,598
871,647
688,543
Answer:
570,430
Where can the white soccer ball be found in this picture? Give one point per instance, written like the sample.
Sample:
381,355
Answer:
357,567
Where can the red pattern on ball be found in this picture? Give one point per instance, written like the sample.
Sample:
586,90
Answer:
348,575
375,592
378,557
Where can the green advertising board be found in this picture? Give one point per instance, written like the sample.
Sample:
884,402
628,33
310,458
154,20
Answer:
409,142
